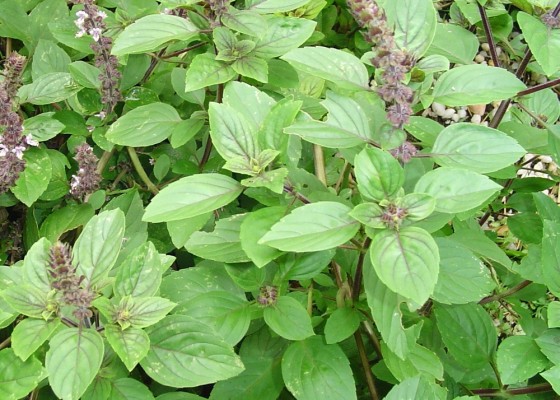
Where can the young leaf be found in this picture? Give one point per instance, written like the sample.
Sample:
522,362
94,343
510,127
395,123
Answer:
186,353
407,261
73,360
519,358
146,311
35,265
378,173
289,319
144,125
131,344
312,227
191,196
342,323
140,273
468,333
314,370
97,248
206,71
456,190
476,148
475,84
251,67
18,378
150,32
30,334
338,66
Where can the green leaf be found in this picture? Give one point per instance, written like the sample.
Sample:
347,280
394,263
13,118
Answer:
289,319
140,273
144,126
18,378
313,227
551,255
552,375
299,266
131,344
191,196
342,323
548,343
43,126
419,361
456,190
283,34
407,261
35,178
65,219
253,228
35,265
378,173
150,32
223,244
315,370
543,41
476,84
181,230
252,67
30,334
48,58
129,389
232,134
49,88
458,44
227,313
476,148
26,300
73,360
186,353
463,277
334,65
96,250
275,6
415,28
85,74
417,387
147,311
206,71
468,333
519,358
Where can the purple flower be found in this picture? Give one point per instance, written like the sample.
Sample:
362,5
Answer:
87,179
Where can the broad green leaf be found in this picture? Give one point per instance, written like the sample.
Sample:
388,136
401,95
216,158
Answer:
35,178
73,360
407,261
551,254
468,333
222,244
191,196
49,88
131,344
314,370
419,361
140,273
475,84
43,126
432,64
244,21
543,41
129,389
253,228
96,250
252,67
206,71
548,343
417,387
181,230
48,58
289,319
26,300
454,42
85,74
227,313
519,358
186,353
275,6
249,101
18,378
415,28
552,375
299,266
65,219
247,276
312,227
283,34
334,65
30,334
150,32
232,134
476,148
147,311
35,265
456,190
378,173
179,396
463,277
342,323
144,126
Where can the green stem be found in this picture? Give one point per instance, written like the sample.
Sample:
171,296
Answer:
5,343
208,147
140,170
357,285
497,373
507,293
104,160
319,161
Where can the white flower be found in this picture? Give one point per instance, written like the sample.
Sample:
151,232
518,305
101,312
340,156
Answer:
81,15
3,150
96,33
18,151
75,182
101,14
30,141
101,115
80,33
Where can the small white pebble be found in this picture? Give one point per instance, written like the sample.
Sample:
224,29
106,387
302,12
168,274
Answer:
546,159
483,54
439,109
485,46
498,51
455,118
479,58
449,113
542,79
462,113
476,118
483,63
485,123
